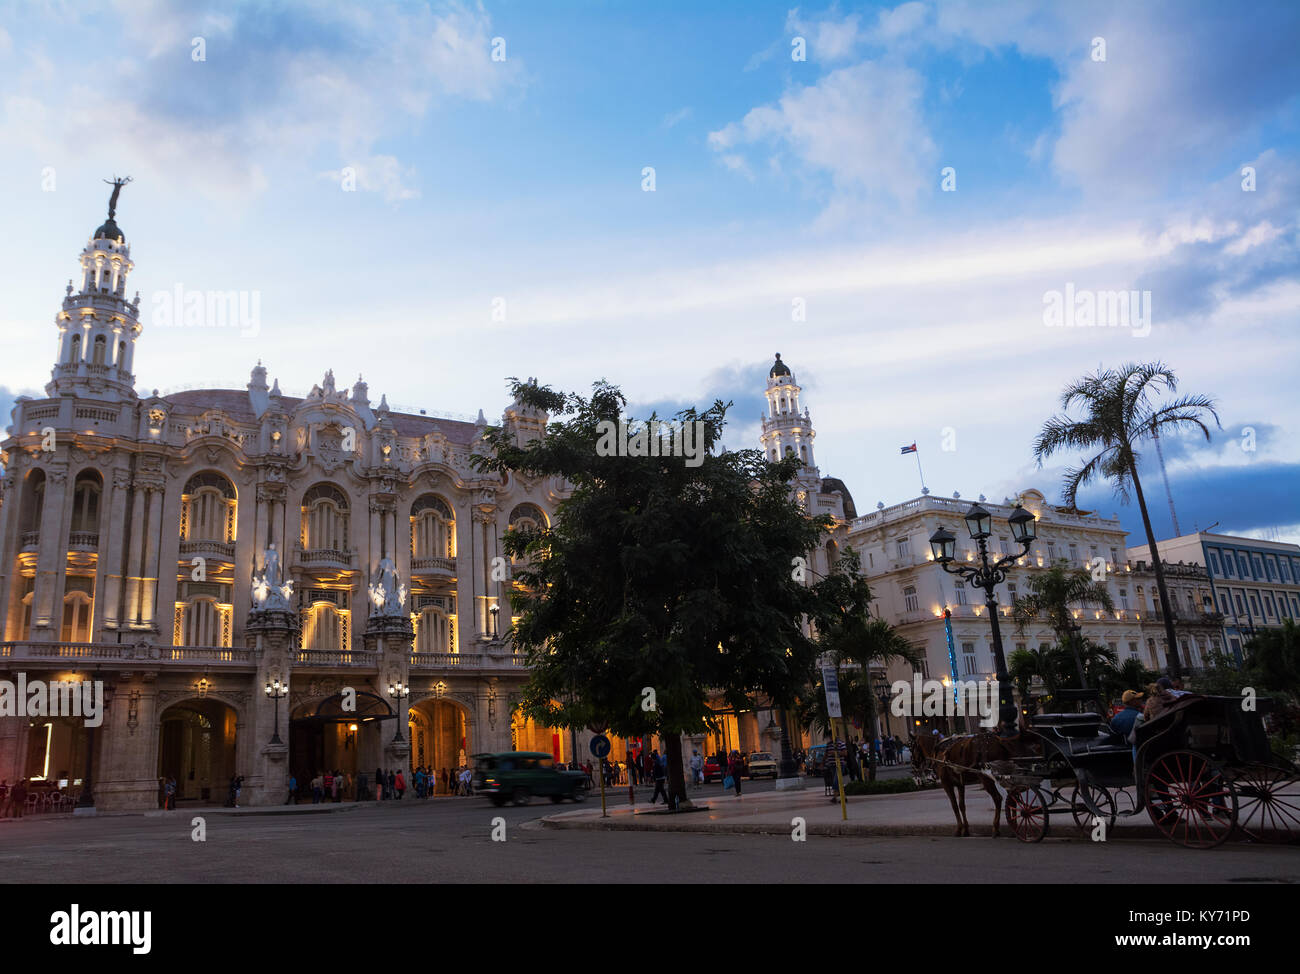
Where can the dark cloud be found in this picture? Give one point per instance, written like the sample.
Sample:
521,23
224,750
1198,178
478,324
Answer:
1240,498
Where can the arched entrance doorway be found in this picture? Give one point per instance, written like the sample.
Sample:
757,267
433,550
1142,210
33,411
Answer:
440,737
528,735
323,736
196,747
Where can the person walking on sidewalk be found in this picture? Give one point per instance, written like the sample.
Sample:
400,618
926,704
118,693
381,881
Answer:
293,786
734,767
659,770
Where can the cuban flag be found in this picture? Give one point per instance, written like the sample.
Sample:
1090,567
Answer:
908,449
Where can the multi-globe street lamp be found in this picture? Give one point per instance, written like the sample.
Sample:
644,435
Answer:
988,576
397,691
276,691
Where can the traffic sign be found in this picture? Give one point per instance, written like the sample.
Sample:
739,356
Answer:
831,682
600,745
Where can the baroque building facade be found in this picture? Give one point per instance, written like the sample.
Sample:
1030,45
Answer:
131,530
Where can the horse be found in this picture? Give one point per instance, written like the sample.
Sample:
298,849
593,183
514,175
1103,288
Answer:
962,760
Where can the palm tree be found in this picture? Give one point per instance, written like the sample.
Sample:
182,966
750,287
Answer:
1119,415
1052,593
874,643
1025,664
1131,675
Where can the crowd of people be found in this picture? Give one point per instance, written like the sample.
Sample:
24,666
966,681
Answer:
385,784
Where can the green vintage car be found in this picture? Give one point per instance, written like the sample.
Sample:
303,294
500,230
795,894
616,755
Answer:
516,776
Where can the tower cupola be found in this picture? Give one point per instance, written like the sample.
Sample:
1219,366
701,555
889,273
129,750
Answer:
97,325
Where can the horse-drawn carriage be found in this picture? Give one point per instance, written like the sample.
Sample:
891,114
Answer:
1200,770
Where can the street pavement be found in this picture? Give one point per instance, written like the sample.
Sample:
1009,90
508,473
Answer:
450,840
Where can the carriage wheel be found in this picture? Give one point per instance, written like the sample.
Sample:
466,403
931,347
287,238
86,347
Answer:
1027,813
1269,800
1124,801
1190,800
1084,818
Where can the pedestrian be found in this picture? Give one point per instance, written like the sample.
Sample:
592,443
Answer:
379,784
4,798
659,772
400,784
735,768
293,786
446,782
18,797
467,782
170,791
697,768
363,787
338,783
327,785
391,782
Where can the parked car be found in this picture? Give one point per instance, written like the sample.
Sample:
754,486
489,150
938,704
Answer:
712,772
763,765
516,776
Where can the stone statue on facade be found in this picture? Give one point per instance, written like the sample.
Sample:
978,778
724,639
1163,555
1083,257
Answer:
387,593
270,590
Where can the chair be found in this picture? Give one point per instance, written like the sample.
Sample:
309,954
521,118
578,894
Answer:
32,801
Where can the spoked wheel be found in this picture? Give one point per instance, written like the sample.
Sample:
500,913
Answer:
1269,803
1084,818
1027,813
1190,800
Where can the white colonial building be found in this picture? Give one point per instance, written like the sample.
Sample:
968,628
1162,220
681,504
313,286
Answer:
913,592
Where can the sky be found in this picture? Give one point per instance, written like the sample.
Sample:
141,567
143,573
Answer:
441,195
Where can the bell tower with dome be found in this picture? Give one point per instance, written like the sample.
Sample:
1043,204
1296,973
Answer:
97,325
786,430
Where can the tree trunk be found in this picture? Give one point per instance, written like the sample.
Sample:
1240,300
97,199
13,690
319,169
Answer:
677,797
1171,648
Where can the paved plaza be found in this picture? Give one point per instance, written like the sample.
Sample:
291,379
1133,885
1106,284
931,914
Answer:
450,840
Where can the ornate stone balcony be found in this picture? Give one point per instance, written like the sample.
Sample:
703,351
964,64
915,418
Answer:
433,566
307,658
31,540
462,661
322,558
127,655
208,548
83,541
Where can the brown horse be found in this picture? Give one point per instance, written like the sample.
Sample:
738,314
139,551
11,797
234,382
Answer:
962,760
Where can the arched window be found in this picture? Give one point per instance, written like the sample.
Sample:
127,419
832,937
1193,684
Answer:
74,354
76,618
33,501
324,519
433,632
433,528
203,623
98,351
121,355
85,501
208,508
325,627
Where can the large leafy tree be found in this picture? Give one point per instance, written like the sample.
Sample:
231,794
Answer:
1273,659
656,575
1052,595
1120,410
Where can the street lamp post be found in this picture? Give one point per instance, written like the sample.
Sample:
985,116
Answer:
988,576
397,691
494,610
276,691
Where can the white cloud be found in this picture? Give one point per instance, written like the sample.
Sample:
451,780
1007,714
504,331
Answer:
859,125
277,86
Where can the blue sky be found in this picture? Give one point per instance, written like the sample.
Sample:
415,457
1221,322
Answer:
519,182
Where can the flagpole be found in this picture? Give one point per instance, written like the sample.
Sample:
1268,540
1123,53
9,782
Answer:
919,471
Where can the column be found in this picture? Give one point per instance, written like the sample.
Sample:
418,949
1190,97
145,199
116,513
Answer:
52,559
149,600
135,557
169,544
108,585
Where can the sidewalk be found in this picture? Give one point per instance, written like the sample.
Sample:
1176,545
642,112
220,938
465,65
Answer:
923,813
